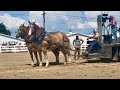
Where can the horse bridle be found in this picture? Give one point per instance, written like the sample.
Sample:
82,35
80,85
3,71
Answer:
23,34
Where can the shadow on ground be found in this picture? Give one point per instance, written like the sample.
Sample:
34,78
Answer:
100,61
50,63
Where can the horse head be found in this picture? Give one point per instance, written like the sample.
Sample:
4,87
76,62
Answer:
34,28
21,32
36,32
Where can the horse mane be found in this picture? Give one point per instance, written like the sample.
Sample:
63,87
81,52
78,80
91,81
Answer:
41,28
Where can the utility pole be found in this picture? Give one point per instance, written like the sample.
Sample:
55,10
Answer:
44,19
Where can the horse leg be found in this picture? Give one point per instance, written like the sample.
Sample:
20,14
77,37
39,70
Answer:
36,56
40,55
46,58
56,53
31,54
65,55
68,53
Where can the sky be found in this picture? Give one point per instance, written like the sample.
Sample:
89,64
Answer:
78,21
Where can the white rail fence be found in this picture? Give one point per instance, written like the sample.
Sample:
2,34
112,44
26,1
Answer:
13,48
21,48
83,47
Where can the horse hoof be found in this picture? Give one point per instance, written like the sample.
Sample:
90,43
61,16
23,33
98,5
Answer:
40,65
65,63
69,62
47,64
34,65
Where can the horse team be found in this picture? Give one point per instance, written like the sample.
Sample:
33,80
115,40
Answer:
38,41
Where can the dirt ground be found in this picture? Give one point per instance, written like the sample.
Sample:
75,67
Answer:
17,66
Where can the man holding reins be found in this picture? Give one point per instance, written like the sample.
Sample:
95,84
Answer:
94,45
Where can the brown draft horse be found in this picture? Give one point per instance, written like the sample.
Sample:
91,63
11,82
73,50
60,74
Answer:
23,33
54,41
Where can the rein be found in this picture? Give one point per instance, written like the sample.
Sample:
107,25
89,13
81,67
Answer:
40,37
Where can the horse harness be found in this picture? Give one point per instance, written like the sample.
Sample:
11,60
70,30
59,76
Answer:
41,37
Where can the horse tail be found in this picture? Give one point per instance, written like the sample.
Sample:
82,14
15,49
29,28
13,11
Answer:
65,37
66,40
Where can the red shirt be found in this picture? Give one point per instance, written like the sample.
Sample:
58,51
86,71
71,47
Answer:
113,23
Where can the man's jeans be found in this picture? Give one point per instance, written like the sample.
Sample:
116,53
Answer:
94,47
114,33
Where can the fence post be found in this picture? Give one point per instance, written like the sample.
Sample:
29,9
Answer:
0,49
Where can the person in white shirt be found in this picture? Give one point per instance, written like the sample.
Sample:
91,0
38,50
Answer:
94,45
77,42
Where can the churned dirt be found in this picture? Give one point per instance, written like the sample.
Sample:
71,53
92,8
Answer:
17,66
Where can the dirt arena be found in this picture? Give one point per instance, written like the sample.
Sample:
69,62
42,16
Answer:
17,66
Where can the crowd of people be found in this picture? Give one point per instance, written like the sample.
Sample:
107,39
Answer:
10,43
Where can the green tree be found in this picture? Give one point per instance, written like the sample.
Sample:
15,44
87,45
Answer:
3,29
